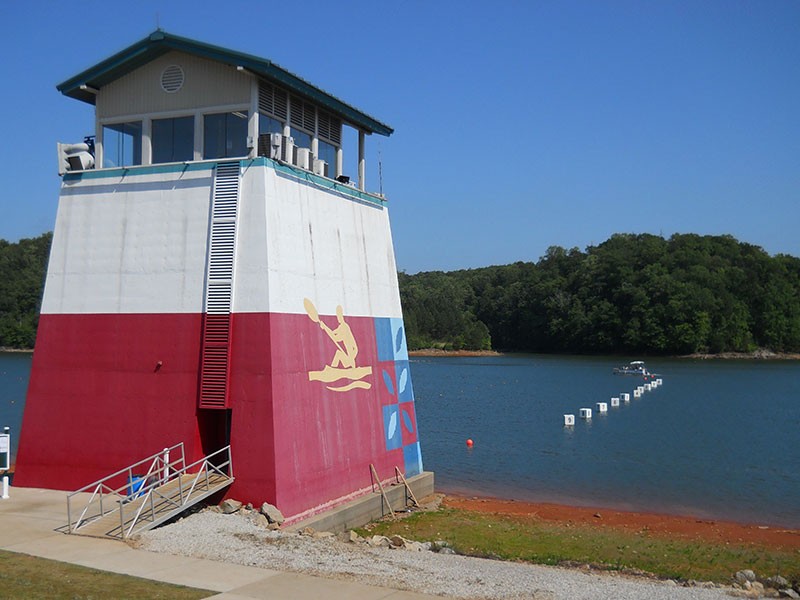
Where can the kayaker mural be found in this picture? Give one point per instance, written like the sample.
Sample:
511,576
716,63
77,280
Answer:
343,364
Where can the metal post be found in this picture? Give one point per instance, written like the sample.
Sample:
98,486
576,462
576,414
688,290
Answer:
166,465
362,183
5,449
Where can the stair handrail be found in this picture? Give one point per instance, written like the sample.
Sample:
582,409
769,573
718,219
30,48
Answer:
152,489
99,485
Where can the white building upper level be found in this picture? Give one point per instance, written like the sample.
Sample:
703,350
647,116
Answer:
169,99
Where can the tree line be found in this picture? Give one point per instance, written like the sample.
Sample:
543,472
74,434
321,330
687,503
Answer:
632,294
22,270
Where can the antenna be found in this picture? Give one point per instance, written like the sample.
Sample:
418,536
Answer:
380,171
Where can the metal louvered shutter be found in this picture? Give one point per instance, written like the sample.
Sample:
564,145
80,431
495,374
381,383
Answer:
272,100
215,366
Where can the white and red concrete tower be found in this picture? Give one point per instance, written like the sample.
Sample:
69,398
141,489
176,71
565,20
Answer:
217,280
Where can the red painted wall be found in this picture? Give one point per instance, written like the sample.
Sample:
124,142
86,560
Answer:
97,401
316,443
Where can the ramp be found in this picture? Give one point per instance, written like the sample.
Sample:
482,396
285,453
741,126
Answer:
145,501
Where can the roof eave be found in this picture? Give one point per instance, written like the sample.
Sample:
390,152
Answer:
160,42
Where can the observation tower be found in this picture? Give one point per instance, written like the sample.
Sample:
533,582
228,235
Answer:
216,279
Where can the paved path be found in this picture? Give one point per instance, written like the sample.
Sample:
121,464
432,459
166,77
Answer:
33,521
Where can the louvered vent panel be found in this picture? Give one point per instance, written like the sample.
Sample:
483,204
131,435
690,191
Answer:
297,112
215,366
329,128
303,114
308,116
272,101
281,103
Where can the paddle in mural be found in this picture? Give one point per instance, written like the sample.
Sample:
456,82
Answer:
343,365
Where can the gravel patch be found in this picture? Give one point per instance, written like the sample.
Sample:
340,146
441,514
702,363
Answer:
236,539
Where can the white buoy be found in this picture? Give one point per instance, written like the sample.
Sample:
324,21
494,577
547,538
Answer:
614,402
625,397
647,387
569,420
586,413
659,381
637,393
602,407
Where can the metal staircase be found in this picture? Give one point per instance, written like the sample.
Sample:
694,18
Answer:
153,491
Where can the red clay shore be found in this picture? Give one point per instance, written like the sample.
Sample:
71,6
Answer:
671,526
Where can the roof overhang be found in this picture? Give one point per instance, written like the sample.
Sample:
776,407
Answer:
84,86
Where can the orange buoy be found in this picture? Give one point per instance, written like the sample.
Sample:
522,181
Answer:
469,443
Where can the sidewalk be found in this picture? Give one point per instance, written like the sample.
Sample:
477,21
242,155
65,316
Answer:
33,522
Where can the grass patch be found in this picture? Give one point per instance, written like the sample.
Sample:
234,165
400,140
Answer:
24,576
524,538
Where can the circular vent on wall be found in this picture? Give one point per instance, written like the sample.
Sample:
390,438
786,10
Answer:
172,79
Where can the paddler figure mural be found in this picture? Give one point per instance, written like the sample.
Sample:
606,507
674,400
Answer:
343,364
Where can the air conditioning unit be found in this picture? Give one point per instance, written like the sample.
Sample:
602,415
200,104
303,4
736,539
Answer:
287,149
74,157
270,145
320,167
303,158
275,145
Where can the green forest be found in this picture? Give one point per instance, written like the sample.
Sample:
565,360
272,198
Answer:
22,270
633,294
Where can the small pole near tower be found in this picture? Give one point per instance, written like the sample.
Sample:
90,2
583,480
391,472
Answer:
380,171
5,458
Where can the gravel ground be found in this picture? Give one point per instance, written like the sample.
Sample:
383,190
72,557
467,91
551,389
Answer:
236,539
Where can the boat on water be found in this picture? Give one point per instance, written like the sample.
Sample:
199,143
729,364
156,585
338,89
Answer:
636,367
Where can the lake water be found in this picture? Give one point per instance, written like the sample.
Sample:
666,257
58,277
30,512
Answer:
15,370
719,439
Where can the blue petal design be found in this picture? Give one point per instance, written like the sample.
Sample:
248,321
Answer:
407,421
398,342
401,385
393,425
387,379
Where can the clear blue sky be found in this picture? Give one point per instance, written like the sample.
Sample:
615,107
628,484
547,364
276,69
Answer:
518,125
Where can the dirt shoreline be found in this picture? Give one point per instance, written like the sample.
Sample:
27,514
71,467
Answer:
663,525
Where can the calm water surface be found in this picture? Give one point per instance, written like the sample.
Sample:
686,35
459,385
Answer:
15,370
719,439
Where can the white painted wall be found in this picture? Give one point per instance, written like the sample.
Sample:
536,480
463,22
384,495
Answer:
138,244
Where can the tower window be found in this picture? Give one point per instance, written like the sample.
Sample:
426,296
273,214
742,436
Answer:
122,144
225,135
173,139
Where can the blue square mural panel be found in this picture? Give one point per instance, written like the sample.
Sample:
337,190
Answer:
383,339
412,458
405,391
392,428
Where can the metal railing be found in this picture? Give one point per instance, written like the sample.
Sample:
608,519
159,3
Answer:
142,480
156,504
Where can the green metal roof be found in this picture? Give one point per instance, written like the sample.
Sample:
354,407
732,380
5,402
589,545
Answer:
160,42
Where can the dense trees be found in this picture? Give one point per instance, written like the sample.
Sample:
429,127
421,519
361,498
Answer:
638,294
22,271
634,294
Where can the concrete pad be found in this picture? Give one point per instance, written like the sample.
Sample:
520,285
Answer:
18,529
290,586
32,522
180,570
67,548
